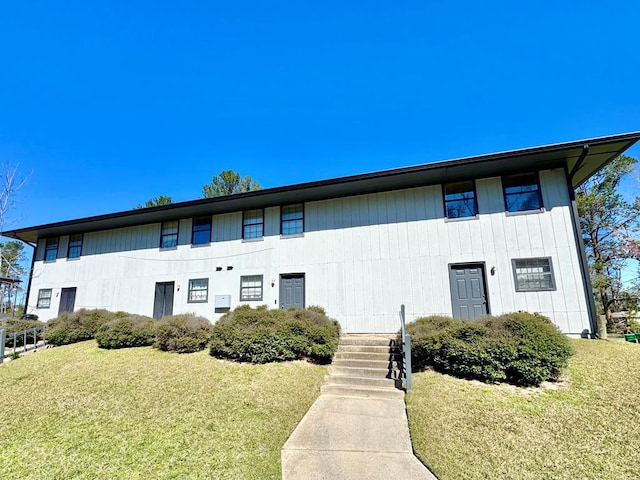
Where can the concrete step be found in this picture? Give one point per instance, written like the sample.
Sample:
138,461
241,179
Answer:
367,340
363,371
358,391
359,381
351,362
367,348
383,356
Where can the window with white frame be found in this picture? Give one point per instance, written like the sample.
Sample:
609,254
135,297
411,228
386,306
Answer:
198,290
251,288
533,274
44,298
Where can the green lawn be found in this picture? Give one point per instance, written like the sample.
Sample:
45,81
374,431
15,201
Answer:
589,428
78,412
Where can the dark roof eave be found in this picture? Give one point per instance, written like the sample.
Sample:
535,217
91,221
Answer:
601,151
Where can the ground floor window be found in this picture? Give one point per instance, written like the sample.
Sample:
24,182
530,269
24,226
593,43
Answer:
198,290
533,274
44,298
251,288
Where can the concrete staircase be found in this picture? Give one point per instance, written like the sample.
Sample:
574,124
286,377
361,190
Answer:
365,366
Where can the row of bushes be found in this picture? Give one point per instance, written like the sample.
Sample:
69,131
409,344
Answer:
177,333
261,335
520,348
184,333
245,334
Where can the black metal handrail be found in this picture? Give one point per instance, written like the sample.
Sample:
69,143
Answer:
406,351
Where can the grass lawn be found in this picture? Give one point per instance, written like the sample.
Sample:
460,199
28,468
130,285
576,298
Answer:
78,412
588,428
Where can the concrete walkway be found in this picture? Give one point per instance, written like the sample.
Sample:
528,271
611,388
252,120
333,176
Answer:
355,438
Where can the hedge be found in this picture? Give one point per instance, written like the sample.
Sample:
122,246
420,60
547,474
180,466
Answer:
129,331
520,348
72,327
184,333
261,335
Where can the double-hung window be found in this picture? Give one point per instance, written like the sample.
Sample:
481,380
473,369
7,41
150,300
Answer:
522,192
44,298
292,219
251,288
75,246
51,249
460,199
201,231
198,290
252,224
533,274
169,234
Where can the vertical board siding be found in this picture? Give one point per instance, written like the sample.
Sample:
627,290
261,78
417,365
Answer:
362,257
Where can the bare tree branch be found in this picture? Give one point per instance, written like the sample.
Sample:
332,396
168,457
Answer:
10,183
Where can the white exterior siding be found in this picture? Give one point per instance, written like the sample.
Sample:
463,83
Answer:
362,257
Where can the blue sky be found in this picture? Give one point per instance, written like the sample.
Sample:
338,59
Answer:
108,104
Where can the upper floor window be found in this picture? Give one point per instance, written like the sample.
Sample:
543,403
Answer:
533,274
460,199
522,192
292,219
44,298
198,290
252,224
75,246
51,249
169,234
201,231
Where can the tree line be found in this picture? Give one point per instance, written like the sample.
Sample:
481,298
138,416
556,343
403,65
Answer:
227,182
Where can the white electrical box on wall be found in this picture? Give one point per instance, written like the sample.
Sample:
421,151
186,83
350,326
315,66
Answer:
222,301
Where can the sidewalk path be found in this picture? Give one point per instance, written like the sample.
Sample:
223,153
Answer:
352,438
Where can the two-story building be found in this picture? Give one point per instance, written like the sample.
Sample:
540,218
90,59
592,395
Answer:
487,234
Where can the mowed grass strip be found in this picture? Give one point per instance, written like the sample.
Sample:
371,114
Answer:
78,412
588,428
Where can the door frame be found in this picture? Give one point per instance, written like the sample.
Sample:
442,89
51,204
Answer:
304,286
482,266
173,296
62,291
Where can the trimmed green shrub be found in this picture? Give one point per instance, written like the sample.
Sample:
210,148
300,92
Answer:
520,348
541,352
125,332
184,333
426,341
72,327
261,335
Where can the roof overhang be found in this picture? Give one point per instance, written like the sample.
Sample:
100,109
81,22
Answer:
582,158
9,280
